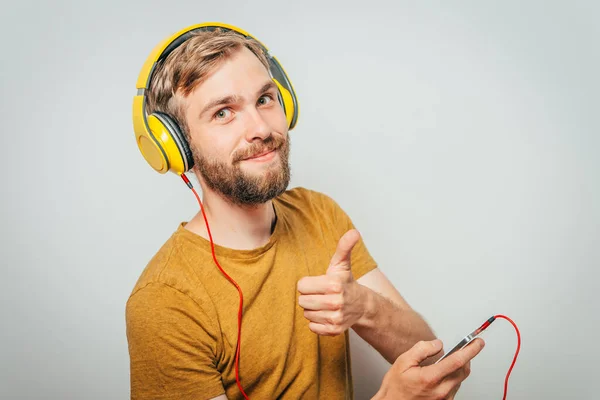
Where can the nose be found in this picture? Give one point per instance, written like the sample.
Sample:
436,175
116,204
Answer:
256,126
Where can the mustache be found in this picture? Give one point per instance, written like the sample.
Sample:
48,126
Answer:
264,146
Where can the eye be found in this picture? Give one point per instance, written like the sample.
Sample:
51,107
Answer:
265,99
223,113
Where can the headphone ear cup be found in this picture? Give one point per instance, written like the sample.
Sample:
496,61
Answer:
181,144
287,102
286,91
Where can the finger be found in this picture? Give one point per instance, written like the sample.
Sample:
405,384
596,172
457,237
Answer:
446,393
459,375
325,330
457,360
344,249
320,302
324,317
449,386
419,352
467,370
319,285
452,394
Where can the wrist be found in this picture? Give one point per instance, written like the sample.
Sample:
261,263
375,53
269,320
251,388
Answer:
369,308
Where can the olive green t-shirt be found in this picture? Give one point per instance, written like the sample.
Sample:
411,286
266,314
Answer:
182,315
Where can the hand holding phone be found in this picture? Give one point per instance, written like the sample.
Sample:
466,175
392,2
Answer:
408,380
460,345
467,339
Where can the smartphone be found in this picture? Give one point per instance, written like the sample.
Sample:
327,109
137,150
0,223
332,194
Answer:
462,344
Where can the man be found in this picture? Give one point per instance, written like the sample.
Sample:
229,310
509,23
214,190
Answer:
304,271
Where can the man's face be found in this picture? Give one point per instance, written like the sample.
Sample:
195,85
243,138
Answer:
238,131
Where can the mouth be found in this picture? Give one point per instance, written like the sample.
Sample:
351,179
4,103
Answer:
265,155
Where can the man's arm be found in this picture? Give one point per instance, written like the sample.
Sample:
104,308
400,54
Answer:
389,324
370,305
172,346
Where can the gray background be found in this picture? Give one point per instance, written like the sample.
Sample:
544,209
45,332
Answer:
461,138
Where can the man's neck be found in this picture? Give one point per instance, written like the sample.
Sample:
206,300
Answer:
234,226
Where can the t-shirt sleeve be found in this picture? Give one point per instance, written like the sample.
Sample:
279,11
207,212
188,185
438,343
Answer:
172,346
361,259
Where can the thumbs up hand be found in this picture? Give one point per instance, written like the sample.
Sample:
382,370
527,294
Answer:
335,301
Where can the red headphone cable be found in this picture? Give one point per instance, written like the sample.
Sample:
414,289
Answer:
212,246
484,327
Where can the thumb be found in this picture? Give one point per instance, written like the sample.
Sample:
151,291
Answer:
341,258
418,353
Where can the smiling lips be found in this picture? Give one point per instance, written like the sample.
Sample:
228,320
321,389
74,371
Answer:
264,156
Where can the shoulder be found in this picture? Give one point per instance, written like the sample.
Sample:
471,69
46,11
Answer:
169,288
170,271
159,263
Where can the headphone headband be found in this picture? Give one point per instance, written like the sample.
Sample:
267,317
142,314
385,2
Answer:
164,48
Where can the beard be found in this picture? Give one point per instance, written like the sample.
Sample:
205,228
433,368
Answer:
243,188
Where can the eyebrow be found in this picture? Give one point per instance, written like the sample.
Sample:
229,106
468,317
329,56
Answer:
267,86
232,99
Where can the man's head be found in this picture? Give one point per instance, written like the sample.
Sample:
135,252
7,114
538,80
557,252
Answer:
218,88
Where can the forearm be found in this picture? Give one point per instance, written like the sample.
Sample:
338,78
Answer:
389,328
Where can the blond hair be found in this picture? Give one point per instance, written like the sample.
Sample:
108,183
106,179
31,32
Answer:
188,66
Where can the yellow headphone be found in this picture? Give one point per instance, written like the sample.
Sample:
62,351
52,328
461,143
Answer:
158,136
